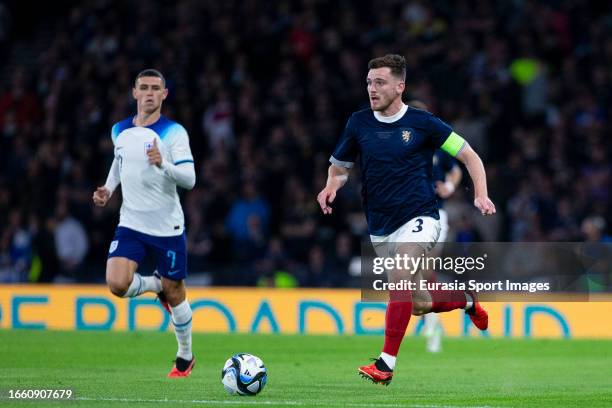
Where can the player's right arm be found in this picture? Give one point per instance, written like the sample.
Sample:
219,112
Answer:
341,160
336,177
104,193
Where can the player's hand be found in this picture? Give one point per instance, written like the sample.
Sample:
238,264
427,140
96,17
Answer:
101,196
153,154
444,190
485,205
325,198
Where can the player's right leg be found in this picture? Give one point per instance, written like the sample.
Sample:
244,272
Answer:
399,308
413,239
125,253
181,319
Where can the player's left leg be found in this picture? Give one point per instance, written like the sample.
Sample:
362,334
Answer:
440,301
171,257
448,300
181,319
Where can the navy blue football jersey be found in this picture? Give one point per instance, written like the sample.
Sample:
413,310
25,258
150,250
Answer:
396,165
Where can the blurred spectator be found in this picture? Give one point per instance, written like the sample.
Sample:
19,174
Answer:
247,223
16,249
46,249
19,107
218,124
199,244
71,243
593,228
264,91
319,270
274,268
465,230
299,221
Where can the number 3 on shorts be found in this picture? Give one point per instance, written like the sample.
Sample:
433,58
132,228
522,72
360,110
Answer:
419,226
171,254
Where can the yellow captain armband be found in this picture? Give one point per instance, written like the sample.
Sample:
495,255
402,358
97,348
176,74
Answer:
453,144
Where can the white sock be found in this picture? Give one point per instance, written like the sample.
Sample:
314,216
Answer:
433,332
142,284
469,302
430,322
181,318
389,360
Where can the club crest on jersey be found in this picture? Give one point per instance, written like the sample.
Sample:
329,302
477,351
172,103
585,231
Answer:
406,134
148,146
113,246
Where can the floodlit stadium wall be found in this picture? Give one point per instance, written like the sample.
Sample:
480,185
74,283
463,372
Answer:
291,311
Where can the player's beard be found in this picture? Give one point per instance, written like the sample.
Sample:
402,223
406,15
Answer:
383,104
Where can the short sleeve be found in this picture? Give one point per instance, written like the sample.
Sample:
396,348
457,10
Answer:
444,138
179,148
438,130
347,149
114,132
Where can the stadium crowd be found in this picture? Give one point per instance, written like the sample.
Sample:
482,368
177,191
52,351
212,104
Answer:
264,90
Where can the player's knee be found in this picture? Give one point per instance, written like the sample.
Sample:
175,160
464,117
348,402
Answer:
119,275
420,308
174,291
117,286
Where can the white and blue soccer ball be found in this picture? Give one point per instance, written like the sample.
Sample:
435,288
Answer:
244,374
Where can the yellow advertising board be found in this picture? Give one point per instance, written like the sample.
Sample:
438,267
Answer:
304,311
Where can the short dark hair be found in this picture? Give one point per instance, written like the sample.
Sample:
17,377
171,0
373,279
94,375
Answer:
150,72
395,62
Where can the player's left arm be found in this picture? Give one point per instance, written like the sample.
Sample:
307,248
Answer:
182,174
450,142
460,149
182,171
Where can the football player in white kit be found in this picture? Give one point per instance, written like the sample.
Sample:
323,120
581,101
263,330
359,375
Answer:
152,158
446,176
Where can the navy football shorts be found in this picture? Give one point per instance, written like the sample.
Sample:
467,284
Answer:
170,252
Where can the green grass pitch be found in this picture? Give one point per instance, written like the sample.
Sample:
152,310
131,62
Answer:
112,369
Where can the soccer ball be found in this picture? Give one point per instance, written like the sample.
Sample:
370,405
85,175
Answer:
244,374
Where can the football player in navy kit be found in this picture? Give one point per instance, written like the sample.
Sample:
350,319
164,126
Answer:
395,145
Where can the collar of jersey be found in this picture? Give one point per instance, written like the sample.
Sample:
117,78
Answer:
161,117
392,118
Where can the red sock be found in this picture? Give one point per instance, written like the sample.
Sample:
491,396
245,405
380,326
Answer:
447,300
397,317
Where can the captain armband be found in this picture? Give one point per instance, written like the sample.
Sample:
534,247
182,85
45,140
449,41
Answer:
453,144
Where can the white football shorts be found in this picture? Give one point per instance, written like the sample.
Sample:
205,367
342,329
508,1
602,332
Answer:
443,225
424,231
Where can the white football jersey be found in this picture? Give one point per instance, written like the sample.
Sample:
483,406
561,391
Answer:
151,203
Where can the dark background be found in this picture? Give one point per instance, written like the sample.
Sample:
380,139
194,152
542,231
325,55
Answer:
264,90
